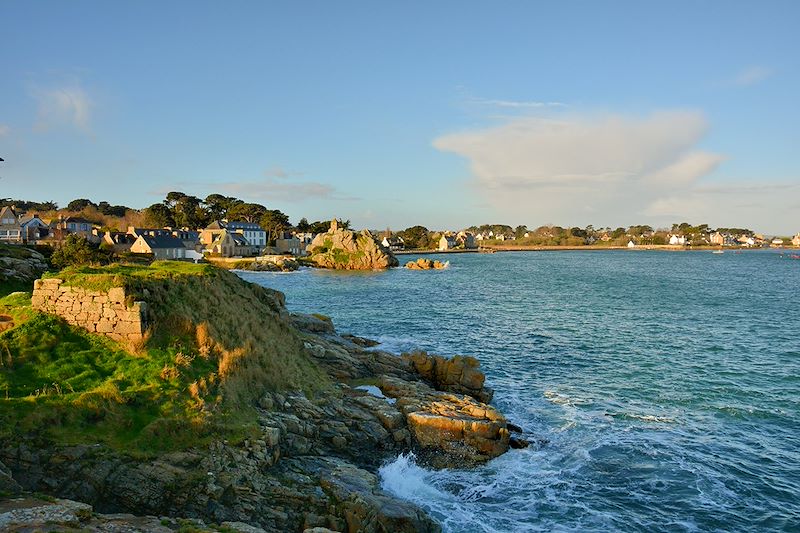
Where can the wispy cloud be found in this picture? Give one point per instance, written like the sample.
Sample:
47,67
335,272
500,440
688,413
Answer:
517,104
4,130
752,75
67,106
280,172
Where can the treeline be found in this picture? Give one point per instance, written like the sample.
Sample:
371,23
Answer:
549,235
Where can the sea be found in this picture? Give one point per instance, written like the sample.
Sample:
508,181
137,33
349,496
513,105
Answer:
660,391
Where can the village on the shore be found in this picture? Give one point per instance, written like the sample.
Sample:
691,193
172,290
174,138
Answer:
257,231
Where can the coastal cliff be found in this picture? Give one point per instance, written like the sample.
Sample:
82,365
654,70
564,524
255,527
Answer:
230,409
343,249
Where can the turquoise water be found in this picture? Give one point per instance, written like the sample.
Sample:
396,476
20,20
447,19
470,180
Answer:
662,389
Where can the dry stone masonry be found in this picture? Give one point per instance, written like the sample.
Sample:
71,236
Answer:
100,312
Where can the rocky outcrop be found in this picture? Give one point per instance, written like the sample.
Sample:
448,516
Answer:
281,264
457,374
20,264
427,264
343,249
310,459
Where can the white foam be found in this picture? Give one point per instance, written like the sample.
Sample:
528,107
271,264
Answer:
405,479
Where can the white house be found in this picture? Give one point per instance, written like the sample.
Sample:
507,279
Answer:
796,240
631,244
254,233
33,228
677,240
447,242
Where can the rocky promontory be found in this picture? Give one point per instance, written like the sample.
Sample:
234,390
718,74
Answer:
343,249
321,412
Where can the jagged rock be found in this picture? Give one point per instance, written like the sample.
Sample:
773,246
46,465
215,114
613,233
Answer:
457,374
19,263
450,430
343,249
7,483
284,264
361,341
312,323
426,264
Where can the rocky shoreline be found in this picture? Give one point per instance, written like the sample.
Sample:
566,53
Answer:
312,464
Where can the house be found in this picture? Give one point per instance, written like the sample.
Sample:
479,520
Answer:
153,232
746,240
230,244
10,229
631,244
394,243
776,242
718,239
121,242
677,240
78,225
796,240
254,233
33,229
447,242
190,238
605,237
161,246
467,240
288,243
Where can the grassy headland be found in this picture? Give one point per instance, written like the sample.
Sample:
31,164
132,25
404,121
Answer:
215,345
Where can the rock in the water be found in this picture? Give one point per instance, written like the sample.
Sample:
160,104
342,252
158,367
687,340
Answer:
457,374
427,264
343,249
449,430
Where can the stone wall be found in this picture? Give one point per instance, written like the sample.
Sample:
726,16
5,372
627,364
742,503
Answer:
100,312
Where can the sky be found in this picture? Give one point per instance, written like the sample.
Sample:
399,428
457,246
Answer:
392,114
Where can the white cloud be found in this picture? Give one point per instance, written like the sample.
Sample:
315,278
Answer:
752,75
4,130
68,106
611,170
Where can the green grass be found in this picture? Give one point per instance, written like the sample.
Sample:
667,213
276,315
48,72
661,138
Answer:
101,278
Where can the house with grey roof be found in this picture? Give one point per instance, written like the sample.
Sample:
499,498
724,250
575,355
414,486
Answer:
161,246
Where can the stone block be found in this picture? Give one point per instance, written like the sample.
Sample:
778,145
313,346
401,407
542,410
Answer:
129,327
116,294
104,326
109,312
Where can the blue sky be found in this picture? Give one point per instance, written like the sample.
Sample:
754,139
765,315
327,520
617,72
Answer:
444,114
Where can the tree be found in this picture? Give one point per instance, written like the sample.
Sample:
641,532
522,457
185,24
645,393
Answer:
246,212
76,250
187,212
303,226
80,204
520,231
158,216
274,222
416,237
218,205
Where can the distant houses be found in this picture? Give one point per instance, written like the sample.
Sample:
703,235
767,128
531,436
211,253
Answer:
394,243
